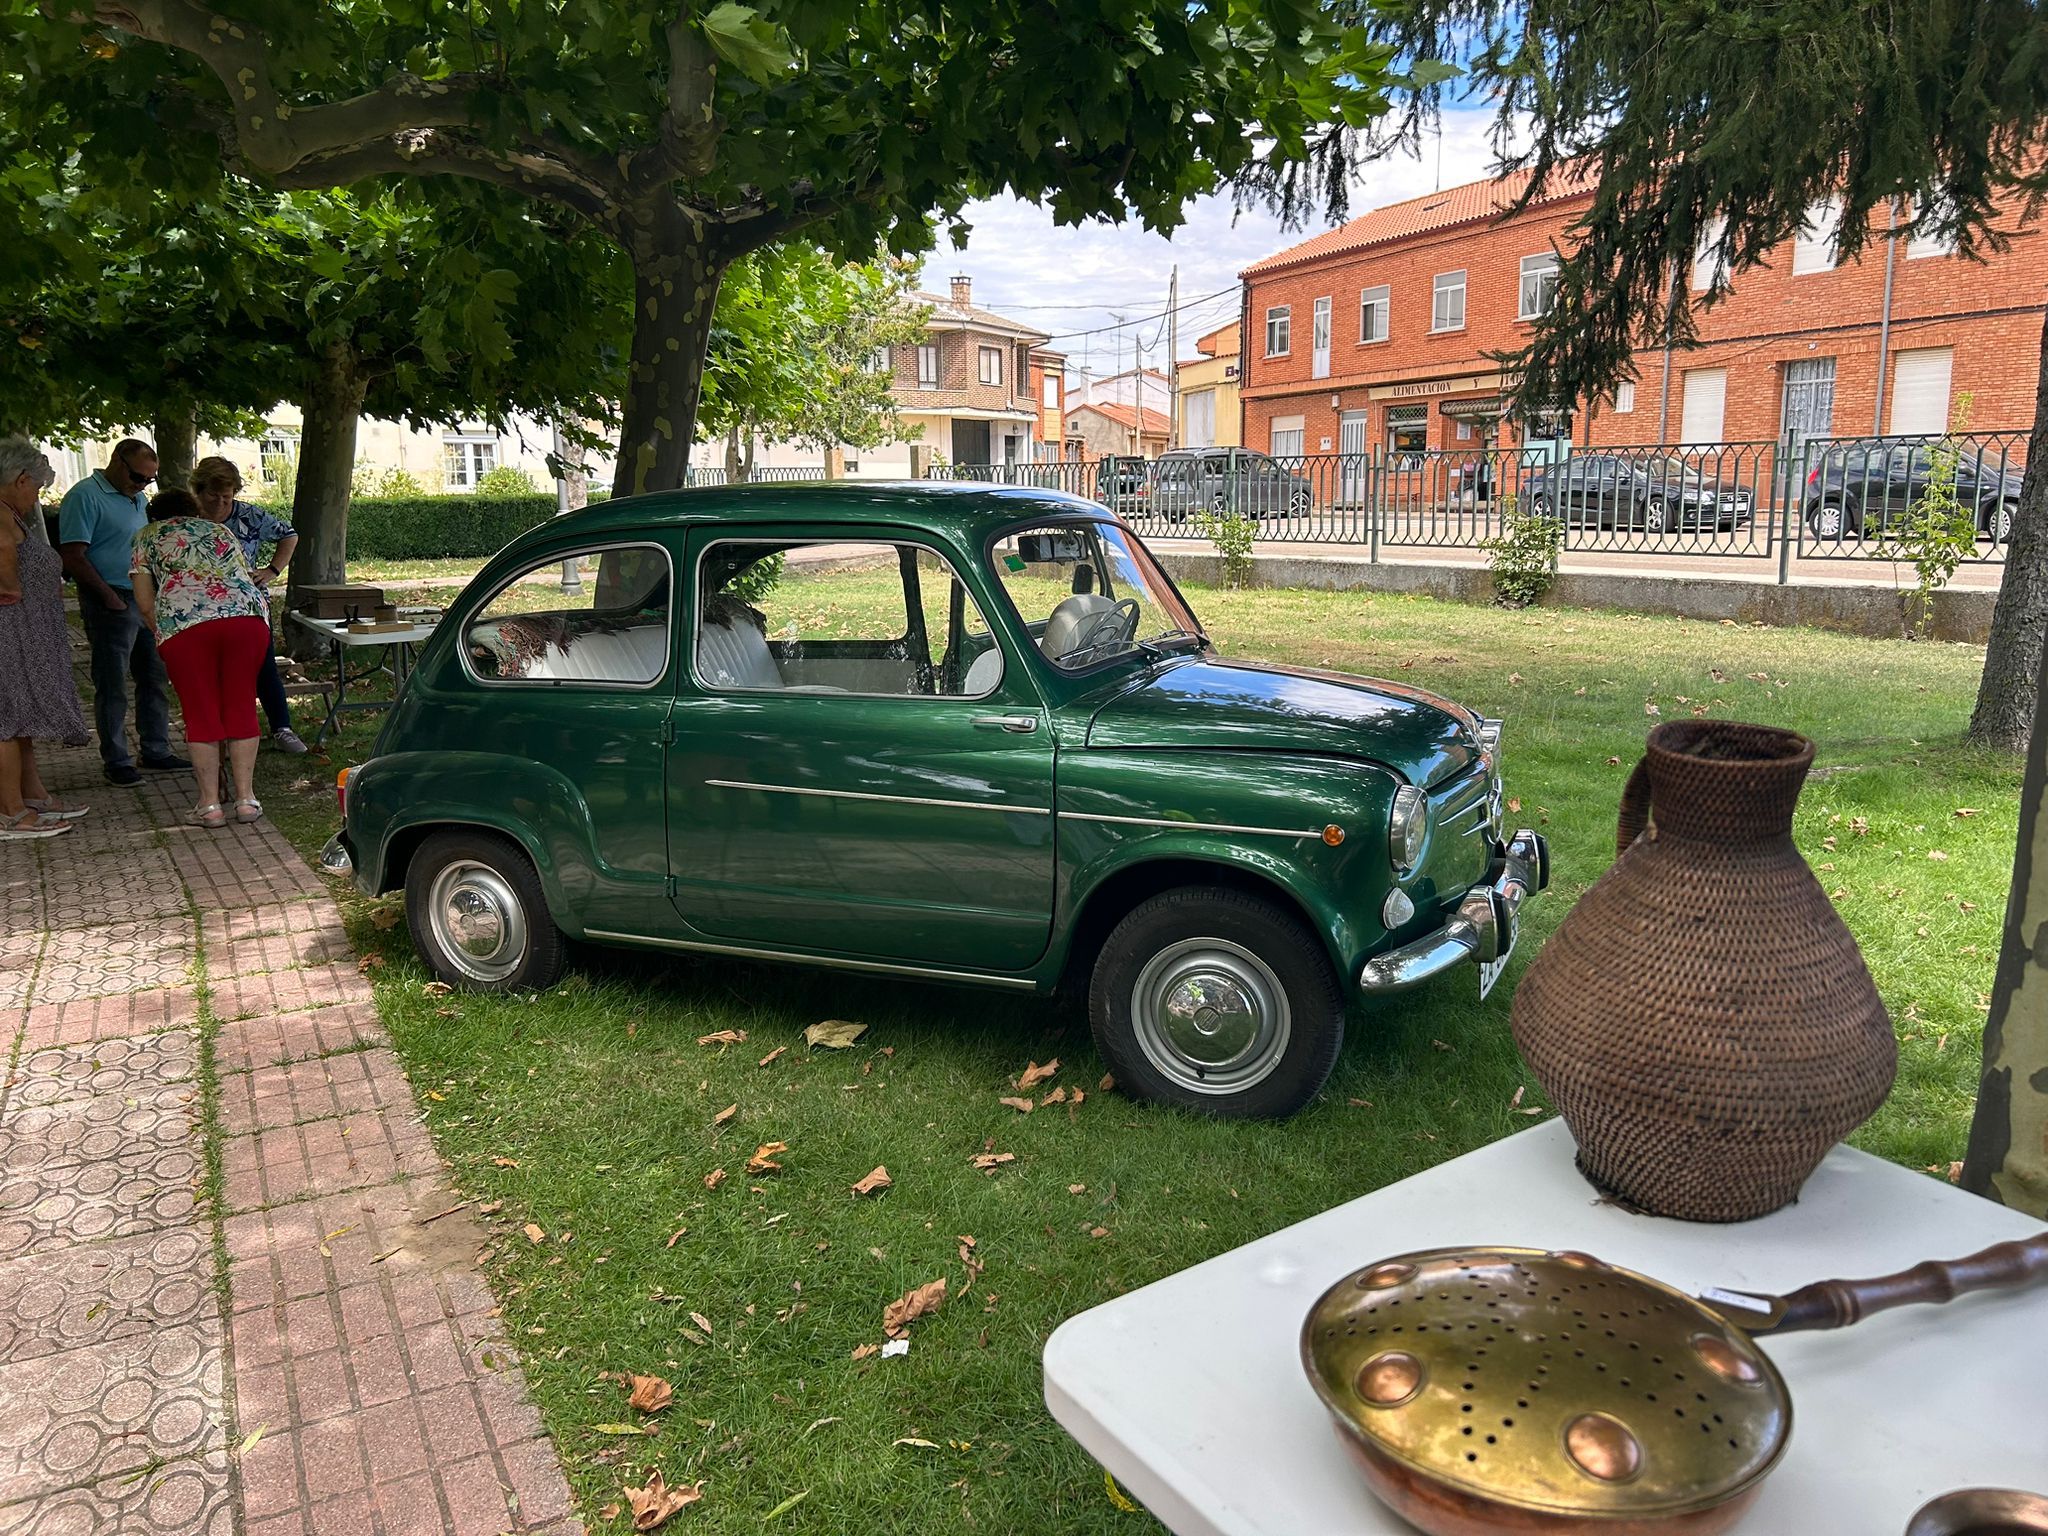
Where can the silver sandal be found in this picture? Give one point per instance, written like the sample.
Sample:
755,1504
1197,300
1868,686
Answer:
248,810
12,830
55,812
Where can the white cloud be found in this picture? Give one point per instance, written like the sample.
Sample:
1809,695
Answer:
1073,280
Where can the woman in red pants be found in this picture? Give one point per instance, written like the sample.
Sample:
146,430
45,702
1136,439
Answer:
212,628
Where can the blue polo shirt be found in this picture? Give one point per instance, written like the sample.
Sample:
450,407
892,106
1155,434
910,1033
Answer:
105,521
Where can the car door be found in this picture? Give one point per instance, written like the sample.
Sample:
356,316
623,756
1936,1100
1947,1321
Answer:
1577,498
859,769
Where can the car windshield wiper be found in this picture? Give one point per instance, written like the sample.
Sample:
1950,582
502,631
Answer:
1172,641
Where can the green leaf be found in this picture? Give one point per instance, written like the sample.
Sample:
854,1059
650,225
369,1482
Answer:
786,1506
746,42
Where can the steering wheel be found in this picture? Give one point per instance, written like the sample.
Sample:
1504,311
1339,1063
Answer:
1113,626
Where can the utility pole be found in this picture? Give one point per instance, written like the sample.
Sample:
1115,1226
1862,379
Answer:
572,571
1173,358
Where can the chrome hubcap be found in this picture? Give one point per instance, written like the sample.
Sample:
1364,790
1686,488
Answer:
479,920
1829,525
1210,1016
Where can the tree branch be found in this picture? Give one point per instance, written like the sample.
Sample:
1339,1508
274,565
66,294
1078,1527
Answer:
688,146
433,152
737,232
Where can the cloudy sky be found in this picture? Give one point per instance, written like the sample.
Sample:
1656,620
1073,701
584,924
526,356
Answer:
1079,283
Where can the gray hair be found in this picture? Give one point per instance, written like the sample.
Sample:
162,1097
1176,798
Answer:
18,457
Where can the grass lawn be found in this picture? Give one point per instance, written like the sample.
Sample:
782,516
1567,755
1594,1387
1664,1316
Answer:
593,1112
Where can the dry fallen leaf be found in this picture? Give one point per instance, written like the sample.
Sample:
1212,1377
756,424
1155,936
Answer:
504,1162
714,1178
370,963
988,1162
1057,1096
1034,1074
724,1037
387,918
763,1160
1937,855
1106,1084
1514,806
653,1504
611,1511
435,989
834,1034
1077,1189
1022,1106
1963,811
650,1394
1098,1231
535,1233
675,1237
879,1179
724,1115
919,1301
702,1322
923,1445
771,1056
862,1351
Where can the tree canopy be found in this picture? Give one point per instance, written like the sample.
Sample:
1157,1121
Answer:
692,136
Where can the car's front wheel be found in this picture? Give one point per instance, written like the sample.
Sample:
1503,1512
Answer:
1219,1001
478,916
1657,516
1998,521
1829,522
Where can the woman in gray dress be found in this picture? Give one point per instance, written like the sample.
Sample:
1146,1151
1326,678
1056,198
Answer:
38,695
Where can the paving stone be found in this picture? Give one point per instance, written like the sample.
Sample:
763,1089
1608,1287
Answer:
87,1020
292,1093
136,882
248,942
109,1290
117,957
69,1131
270,1038
87,1414
129,1068
118,1197
273,992
324,1157
185,1497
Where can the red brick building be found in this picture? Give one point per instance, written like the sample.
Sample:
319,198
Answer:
1375,336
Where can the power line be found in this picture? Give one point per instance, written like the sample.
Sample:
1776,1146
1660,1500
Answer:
1207,298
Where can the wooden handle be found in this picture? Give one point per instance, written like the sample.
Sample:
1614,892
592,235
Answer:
1635,808
1838,1303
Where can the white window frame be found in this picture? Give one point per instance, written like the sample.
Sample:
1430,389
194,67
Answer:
1706,260
989,366
927,365
1280,325
271,462
1295,427
1625,397
473,448
1814,249
1542,265
1378,299
1050,397
1439,307
878,360
1921,246
1321,324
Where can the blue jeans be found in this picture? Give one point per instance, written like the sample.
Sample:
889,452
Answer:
277,706
123,649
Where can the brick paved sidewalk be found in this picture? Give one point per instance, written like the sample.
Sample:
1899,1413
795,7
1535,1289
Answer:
315,1355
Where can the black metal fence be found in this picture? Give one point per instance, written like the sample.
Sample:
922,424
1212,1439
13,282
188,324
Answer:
1824,498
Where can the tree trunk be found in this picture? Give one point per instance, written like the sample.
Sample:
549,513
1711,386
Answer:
177,446
327,458
2008,1153
2019,623
675,286
734,472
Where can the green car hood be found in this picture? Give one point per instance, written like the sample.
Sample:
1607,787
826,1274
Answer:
1205,704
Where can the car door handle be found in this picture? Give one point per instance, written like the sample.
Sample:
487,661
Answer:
1023,725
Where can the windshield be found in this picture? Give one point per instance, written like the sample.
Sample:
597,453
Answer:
1088,592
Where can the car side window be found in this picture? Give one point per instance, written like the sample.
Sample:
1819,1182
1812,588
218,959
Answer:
614,630
863,616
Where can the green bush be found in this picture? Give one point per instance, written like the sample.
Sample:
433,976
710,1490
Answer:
441,527
1524,558
506,480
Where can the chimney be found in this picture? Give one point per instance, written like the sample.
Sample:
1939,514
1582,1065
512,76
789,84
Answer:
963,289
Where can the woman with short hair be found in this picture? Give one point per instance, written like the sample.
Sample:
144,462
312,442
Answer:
217,482
212,627
38,694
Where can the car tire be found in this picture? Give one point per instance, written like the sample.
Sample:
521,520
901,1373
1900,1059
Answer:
478,916
1656,516
1267,975
1828,522
1998,522
1300,502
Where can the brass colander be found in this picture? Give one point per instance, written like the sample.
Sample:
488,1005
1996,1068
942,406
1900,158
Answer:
1509,1388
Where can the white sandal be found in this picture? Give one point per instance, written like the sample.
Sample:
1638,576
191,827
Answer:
52,811
12,830
247,811
210,816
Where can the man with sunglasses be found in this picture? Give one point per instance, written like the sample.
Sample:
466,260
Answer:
96,528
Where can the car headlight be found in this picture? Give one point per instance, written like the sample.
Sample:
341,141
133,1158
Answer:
1408,827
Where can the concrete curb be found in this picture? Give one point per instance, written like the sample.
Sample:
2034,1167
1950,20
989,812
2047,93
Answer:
1854,608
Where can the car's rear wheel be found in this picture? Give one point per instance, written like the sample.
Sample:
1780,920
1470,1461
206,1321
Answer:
478,916
1998,521
1300,501
1218,1001
1828,522
1656,516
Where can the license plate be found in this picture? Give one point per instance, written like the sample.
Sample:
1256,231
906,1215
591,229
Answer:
1489,970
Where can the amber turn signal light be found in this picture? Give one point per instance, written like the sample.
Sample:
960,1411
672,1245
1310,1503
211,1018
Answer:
1333,834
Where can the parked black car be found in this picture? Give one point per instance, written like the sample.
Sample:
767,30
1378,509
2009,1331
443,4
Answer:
1190,480
1656,493
1863,487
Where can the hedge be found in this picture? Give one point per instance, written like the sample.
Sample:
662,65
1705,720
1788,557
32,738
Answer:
441,527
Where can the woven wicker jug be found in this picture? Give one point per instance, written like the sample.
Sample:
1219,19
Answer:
1702,1018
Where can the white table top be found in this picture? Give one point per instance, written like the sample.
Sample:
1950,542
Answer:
338,630
1192,1393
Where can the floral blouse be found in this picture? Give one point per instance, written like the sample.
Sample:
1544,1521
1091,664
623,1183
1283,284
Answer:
200,574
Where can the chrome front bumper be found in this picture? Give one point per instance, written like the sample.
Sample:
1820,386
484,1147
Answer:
1482,929
335,859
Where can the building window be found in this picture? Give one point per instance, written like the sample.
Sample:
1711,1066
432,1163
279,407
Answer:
1407,433
878,360
1809,409
1447,313
1927,243
277,455
467,460
1815,249
1319,340
1279,328
1198,418
1052,391
1706,259
928,366
991,365
1373,305
1287,437
1539,286
1624,397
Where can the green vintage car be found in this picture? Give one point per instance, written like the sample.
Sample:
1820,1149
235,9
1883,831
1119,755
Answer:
964,733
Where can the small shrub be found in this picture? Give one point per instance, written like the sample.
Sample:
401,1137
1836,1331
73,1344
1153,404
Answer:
441,527
506,480
397,482
757,580
1938,532
1232,534
1523,559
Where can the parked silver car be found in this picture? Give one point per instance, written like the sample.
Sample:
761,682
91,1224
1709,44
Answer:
1223,480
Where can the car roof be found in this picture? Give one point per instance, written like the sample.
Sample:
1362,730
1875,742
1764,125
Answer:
966,509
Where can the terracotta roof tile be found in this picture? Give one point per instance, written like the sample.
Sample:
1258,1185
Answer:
943,308
1153,425
1420,215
